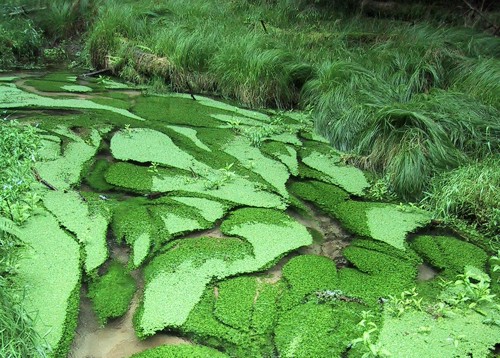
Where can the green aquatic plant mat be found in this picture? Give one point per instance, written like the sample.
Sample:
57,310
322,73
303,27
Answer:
449,253
176,111
50,148
210,210
111,293
90,228
76,88
348,178
233,189
66,170
417,334
145,145
254,341
286,138
49,270
147,224
130,177
8,78
180,351
95,177
286,154
12,97
190,133
305,275
235,121
326,196
388,223
235,302
317,330
113,102
251,157
170,276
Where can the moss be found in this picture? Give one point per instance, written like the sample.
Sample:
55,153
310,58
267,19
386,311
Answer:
449,253
307,274
49,269
191,264
119,102
209,209
176,279
76,88
208,320
90,228
95,177
381,271
70,324
111,293
235,300
180,351
316,330
148,224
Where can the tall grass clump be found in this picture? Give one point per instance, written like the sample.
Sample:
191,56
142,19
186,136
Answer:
471,194
480,78
117,23
258,75
18,339
406,130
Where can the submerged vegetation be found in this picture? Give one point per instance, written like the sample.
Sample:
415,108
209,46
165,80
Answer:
305,229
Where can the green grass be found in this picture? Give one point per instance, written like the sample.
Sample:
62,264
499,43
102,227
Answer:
469,193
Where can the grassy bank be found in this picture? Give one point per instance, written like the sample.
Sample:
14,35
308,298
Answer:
406,100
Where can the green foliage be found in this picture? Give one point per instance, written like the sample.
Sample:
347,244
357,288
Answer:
18,153
471,290
18,337
20,42
111,293
469,193
449,254
180,351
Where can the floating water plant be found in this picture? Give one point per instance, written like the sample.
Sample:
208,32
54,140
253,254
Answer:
73,213
50,272
180,270
111,293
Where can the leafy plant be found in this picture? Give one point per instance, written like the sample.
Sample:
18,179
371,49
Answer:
408,300
370,349
471,290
